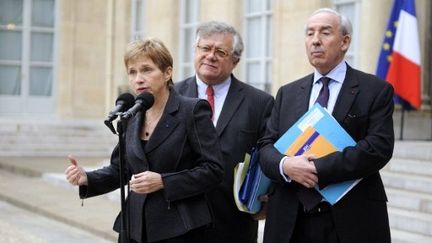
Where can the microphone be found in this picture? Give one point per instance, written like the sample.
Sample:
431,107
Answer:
123,102
142,102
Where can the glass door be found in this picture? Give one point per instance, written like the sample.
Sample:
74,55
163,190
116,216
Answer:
27,56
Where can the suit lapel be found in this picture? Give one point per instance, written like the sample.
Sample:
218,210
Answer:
190,88
233,100
134,134
134,141
166,124
302,101
347,94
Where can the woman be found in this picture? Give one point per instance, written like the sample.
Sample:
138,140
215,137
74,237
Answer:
172,153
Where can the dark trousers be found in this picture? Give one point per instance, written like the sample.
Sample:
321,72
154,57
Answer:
193,236
316,226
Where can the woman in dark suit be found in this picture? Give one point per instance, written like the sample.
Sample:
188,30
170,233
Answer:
172,153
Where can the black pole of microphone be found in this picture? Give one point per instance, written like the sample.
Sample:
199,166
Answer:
124,226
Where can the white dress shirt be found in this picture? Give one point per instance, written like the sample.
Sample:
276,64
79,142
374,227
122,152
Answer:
220,93
337,76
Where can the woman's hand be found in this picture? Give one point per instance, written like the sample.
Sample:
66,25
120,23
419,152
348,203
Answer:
75,174
146,182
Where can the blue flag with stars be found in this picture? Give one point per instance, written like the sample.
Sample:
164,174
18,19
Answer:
389,36
385,57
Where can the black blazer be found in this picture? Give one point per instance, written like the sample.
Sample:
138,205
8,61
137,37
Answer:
185,150
364,108
241,123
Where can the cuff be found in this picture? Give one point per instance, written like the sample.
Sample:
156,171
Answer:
285,177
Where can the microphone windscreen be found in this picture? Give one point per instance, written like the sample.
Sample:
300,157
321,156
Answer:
146,100
125,99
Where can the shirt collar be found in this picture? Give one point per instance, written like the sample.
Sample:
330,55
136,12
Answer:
337,74
217,88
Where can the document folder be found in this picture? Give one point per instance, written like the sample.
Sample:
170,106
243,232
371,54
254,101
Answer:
317,132
250,183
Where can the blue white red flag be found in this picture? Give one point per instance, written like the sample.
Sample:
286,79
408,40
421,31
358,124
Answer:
399,61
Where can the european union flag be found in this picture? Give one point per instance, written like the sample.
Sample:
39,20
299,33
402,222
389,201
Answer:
389,36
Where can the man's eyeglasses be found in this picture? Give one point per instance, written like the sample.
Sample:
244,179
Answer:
219,52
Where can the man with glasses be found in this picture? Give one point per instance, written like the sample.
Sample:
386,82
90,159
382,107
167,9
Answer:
240,112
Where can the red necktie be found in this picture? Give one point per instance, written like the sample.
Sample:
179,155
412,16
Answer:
210,98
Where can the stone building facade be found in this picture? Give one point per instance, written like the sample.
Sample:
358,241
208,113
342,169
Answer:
63,59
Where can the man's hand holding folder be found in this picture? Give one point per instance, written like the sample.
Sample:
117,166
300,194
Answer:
301,169
317,134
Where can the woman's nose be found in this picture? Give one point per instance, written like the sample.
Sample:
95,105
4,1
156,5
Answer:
139,78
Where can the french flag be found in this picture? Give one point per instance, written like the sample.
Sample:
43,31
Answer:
399,61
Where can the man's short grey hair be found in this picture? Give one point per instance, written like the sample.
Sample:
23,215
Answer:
215,27
345,23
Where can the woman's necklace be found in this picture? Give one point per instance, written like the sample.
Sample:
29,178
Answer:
150,123
153,116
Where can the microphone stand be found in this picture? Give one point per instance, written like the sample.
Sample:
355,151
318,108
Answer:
124,226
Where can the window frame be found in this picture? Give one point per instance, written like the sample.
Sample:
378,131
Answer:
25,102
264,59
353,51
184,28
135,32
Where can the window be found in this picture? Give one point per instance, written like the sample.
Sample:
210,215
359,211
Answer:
258,28
350,8
189,14
27,56
27,49
138,14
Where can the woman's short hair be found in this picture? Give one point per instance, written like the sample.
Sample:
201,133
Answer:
152,48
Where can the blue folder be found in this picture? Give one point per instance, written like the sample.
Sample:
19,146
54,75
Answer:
254,185
325,125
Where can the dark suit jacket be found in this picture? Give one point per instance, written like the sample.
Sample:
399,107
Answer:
364,108
185,150
241,123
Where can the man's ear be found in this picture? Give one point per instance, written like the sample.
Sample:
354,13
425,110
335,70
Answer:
236,61
346,41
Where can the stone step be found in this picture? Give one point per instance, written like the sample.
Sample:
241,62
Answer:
56,150
90,138
410,221
401,236
414,183
75,130
409,200
43,153
417,150
56,146
410,166
55,138
22,124
79,131
26,129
